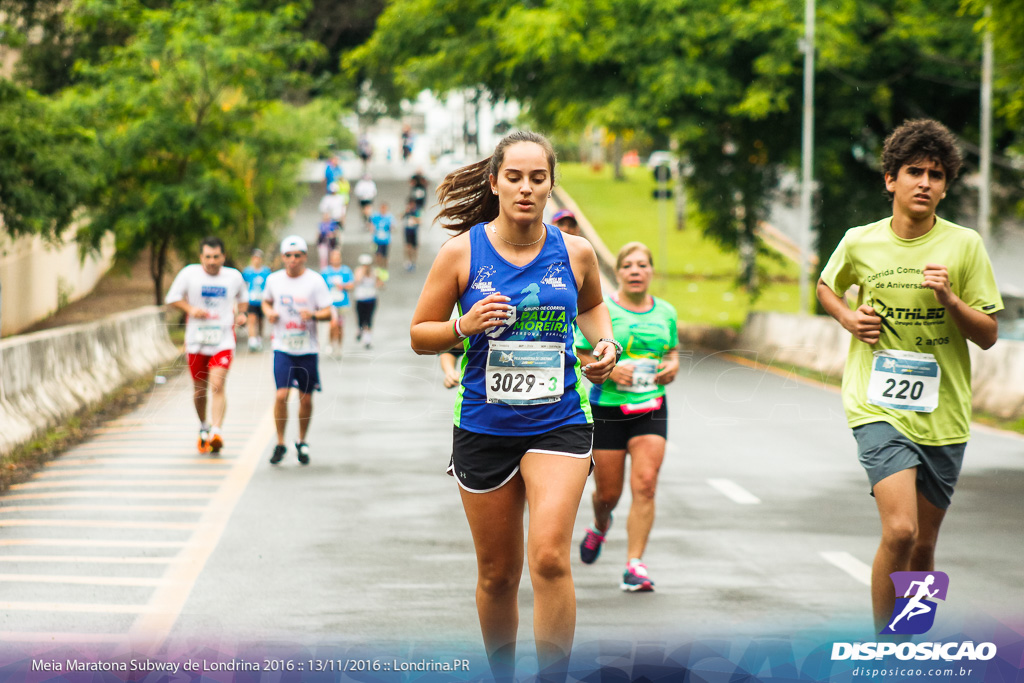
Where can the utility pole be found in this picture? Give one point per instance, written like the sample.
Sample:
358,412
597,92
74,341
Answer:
807,153
985,181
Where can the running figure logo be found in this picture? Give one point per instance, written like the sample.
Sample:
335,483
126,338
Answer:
915,611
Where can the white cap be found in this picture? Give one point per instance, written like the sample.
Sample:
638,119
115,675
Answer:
293,243
365,260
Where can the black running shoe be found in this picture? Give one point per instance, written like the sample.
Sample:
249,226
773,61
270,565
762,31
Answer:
303,450
279,451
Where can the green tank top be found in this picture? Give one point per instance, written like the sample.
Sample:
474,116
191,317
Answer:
645,338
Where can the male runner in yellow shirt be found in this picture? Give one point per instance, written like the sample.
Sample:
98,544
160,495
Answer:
925,286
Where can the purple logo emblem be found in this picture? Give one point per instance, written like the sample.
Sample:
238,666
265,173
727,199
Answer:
915,607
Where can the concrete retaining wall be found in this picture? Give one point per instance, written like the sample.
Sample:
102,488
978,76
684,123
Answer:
46,377
820,343
36,277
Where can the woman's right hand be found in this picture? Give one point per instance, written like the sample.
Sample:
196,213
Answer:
491,311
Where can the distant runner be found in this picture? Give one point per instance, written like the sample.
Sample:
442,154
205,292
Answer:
339,279
214,297
294,299
255,276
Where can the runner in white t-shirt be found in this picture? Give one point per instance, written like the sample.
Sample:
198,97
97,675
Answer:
293,300
214,298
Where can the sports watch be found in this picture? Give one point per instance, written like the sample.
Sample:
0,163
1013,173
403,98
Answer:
616,344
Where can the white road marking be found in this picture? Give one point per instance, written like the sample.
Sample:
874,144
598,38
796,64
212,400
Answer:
849,564
734,492
83,580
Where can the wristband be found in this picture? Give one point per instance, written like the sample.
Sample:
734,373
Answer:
458,329
616,344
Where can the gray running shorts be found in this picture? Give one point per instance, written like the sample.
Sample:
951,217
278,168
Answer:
884,451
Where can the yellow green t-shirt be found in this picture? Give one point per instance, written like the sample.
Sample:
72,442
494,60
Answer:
888,270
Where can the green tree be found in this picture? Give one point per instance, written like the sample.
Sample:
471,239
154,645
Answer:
47,164
723,78
881,63
46,62
716,76
194,138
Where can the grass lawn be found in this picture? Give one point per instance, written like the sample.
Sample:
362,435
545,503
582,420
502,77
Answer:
698,277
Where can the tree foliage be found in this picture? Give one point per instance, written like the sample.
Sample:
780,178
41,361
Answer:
192,132
711,74
723,78
46,164
60,41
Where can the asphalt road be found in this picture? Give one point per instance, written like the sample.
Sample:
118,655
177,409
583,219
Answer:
765,528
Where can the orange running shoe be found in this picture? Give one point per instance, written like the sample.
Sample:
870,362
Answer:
204,441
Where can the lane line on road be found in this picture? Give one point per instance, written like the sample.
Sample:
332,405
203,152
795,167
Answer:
75,462
98,508
734,492
127,581
90,543
90,607
154,449
168,600
849,564
86,559
48,637
55,472
107,495
163,483
97,524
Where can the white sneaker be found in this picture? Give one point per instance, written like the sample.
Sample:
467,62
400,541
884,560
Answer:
254,344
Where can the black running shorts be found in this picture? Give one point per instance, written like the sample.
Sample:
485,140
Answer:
483,462
613,429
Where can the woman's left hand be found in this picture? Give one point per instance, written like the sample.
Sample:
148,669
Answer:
598,371
667,370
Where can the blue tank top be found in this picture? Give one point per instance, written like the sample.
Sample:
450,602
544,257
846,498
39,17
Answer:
544,293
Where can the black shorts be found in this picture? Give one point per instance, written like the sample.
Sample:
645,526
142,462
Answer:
482,463
411,237
382,249
256,310
613,429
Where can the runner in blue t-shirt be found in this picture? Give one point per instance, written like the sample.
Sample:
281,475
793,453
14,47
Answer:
380,223
255,275
339,281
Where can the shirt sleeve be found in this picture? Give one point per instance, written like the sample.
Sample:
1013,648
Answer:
838,273
321,295
673,335
268,286
242,296
178,287
979,290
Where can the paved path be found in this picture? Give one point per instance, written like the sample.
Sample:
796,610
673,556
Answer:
764,528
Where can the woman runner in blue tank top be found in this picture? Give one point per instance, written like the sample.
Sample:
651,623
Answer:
523,430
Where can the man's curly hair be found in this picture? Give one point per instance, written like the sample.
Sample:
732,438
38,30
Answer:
920,139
